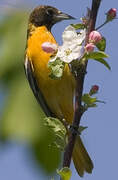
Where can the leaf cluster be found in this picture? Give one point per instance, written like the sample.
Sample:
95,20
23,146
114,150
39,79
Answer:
59,130
65,173
88,101
56,69
98,56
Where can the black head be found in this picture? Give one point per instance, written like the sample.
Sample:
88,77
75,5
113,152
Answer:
48,16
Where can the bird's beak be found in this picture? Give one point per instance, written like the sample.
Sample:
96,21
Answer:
62,16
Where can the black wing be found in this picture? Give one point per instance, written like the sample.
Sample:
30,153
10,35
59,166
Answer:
36,90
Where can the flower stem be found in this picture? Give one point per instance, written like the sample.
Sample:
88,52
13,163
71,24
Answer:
102,25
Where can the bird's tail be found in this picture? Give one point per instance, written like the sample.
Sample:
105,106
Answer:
81,159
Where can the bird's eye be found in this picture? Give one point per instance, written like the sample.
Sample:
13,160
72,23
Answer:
50,12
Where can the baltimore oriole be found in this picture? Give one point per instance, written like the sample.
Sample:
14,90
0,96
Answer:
54,96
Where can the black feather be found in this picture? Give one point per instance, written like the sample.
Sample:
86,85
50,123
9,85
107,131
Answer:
35,88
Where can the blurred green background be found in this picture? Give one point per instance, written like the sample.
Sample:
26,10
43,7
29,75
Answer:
21,118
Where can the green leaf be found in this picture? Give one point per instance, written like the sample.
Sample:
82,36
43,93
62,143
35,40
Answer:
51,149
82,128
102,44
56,67
88,101
59,131
65,173
101,101
102,61
96,55
78,26
92,105
48,156
45,151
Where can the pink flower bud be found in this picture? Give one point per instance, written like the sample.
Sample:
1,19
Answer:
95,37
49,47
111,14
89,47
94,89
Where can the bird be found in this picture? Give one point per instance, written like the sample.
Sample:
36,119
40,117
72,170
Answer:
54,96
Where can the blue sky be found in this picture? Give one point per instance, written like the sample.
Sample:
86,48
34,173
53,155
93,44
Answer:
100,138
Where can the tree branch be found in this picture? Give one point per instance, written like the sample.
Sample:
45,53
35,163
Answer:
79,90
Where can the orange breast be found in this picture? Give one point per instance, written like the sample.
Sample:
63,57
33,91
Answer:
57,93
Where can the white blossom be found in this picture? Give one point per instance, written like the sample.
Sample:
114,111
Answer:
72,47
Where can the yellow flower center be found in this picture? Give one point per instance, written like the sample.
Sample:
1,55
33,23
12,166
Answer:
68,52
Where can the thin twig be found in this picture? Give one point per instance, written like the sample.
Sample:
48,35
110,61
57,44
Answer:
79,90
102,25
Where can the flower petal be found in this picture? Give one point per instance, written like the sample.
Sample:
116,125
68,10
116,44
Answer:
69,34
81,36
